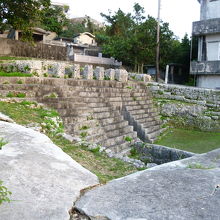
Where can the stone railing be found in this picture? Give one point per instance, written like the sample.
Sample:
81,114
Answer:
64,69
95,60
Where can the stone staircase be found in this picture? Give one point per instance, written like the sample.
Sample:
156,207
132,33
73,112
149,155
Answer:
109,113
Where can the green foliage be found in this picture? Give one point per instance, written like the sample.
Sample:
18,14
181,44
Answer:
4,193
199,166
128,139
15,74
83,134
2,143
13,58
17,95
131,38
21,15
84,127
54,19
19,82
52,95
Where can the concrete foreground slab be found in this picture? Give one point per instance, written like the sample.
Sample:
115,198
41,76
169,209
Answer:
183,190
44,181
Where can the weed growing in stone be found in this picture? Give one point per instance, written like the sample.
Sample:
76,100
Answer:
2,143
84,127
128,139
4,193
17,95
19,82
52,95
134,99
106,78
198,166
83,134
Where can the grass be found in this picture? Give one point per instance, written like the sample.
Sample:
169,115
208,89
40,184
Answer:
98,163
18,95
14,58
198,166
15,74
23,114
191,140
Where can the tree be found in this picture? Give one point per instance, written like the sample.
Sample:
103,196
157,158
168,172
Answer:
131,38
54,18
21,15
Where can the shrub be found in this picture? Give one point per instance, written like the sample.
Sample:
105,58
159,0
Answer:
4,194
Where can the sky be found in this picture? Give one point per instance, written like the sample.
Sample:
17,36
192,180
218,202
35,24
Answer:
178,13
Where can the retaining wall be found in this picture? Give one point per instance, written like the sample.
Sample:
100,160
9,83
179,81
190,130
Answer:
160,154
188,106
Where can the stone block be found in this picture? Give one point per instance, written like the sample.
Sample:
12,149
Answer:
121,75
76,73
99,73
88,72
140,77
30,66
73,71
110,74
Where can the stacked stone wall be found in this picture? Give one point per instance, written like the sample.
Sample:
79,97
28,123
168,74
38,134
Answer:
188,106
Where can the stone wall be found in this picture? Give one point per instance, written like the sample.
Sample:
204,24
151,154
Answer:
17,48
158,154
188,106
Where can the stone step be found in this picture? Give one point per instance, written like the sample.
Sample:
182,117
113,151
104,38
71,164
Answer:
145,120
17,93
122,148
137,107
116,125
119,131
152,129
101,115
118,139
153,135
150,123
89,132
67,105
104,109
81,126
74,112
110,120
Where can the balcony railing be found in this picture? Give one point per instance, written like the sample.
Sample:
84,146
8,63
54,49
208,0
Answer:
205,67
210,26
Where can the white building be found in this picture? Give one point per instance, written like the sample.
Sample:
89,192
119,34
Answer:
207,66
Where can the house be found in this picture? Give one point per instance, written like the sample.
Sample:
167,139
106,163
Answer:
39,35
85,38
206,68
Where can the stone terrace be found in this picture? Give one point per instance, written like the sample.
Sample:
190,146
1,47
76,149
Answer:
105,112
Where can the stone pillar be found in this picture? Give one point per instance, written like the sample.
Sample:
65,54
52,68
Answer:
121,75
88,72
110,74
99,73
76,71
61,70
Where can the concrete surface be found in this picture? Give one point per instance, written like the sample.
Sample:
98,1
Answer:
173,191
44,181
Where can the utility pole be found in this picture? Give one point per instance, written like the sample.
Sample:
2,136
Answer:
158,43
